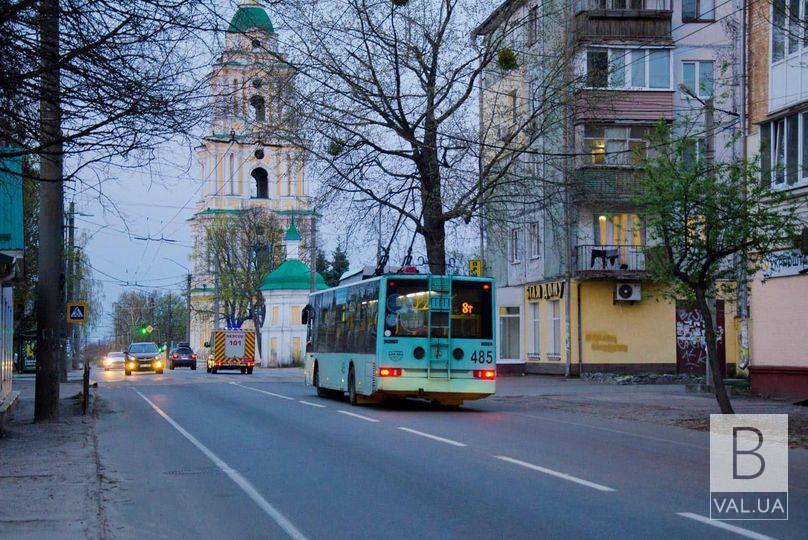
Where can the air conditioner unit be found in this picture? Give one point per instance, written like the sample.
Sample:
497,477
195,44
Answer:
627,292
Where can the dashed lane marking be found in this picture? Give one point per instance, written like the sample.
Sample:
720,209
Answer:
366,418
273,394
430,436
245,485
557,474
310,404
726,526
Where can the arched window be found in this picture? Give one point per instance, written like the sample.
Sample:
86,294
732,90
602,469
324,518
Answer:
261,183
232,179
257,103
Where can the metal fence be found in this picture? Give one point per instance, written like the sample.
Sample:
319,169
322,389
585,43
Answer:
610,258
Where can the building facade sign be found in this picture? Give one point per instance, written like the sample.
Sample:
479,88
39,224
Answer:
552,290
789,262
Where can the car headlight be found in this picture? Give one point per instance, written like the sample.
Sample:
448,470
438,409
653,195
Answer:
107,361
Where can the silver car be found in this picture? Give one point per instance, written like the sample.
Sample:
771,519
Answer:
114,360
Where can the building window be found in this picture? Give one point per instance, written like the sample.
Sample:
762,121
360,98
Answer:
261,183
532,25
694,152
784,151
698,78
514,246
509,333
535,240
296,318
628,68
618,230
276,312
698,10
259,112
787,26
232,176
535,328
616,145
554,326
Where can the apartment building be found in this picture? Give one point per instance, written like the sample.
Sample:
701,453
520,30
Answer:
777,101
573,292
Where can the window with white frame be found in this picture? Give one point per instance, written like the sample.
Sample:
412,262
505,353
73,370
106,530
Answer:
784,151
535,241
535,328
697,77
698,10
789,29
615,145
509,333
639,69
514,245
694,152
554,327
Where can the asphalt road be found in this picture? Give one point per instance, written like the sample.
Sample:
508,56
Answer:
193,455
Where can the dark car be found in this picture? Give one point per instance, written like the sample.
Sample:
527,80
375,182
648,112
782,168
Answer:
143,356
182,357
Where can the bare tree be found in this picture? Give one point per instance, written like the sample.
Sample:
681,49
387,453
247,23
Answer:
243,248
388,103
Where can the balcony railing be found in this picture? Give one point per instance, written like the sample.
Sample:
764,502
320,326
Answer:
623,5
610,259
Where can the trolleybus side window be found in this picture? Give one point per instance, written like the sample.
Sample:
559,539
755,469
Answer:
345,320
471,310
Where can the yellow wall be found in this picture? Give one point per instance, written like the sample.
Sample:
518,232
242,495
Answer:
622,332
619,332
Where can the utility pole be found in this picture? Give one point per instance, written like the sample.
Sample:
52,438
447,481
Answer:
50,288
709,158
188,307
313,270
170,320
72,284
216,296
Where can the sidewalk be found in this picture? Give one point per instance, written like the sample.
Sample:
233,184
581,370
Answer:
48,472
666,403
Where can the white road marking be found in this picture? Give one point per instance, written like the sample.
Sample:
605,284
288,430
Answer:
551,472
430,436
234,475
726,526
310,404
273,394
369,419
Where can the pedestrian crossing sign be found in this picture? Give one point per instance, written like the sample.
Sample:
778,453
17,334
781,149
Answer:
77,312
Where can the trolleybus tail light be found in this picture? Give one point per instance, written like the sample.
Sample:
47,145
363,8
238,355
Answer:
485,374
389,372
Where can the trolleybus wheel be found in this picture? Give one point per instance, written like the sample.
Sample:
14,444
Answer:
352,387
321,392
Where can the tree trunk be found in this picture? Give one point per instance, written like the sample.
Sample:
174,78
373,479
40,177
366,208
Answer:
434,227
51,285
713,363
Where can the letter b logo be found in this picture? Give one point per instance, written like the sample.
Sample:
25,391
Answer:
752,453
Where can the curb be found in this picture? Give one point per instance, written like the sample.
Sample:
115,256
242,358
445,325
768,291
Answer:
7,409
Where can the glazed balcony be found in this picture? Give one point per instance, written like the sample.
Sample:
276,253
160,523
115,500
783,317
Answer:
604,184
610,260
618,20
621,105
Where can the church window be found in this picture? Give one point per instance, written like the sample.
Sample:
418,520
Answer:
257,103
259,154
257,82
232,179
235,96
261,183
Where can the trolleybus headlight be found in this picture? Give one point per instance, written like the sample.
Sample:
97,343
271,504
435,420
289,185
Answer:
389,372
457,354
419,353
488,374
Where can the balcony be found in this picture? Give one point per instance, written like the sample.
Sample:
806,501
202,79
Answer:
616,20
605,184
610,260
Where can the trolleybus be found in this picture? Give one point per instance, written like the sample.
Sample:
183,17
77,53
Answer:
407,335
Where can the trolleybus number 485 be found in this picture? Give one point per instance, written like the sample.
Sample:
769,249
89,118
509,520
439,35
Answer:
482,357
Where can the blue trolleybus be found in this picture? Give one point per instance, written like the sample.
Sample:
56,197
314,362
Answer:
407,335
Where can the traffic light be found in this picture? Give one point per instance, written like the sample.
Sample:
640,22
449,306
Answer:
143,331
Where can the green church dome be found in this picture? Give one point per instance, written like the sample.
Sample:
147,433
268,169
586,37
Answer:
250,17
292,274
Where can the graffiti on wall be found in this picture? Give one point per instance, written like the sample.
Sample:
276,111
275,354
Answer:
605,342
691,346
